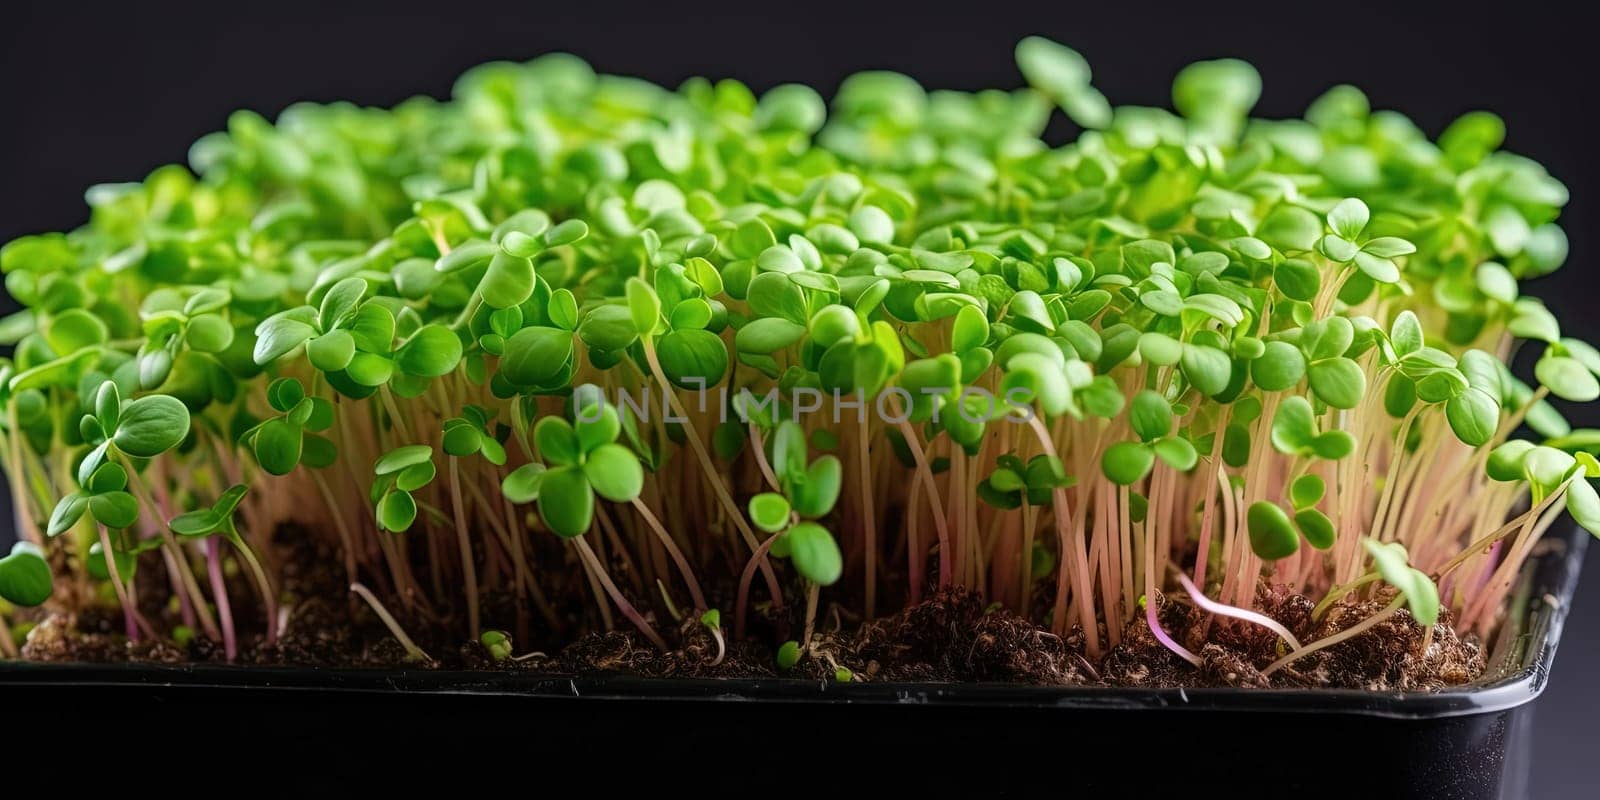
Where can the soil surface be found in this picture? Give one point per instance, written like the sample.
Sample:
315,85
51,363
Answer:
952,636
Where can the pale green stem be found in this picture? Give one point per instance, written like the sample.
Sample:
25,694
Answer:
1344,635
268,598
389,622
1337,592
468,568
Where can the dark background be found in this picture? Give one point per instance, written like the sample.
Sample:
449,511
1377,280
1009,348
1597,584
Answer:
91,95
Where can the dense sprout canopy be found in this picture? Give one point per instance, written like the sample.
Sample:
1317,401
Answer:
1261,336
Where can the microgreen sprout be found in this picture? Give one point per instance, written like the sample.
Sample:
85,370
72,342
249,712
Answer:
808,491
218,521
712,619
498,643
788,655
865,348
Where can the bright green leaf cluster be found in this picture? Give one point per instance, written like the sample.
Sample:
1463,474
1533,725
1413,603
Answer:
809,490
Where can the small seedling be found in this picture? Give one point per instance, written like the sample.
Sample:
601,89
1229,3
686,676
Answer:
712,619
497,643
788,655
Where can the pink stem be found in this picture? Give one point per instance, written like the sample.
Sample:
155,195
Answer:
129,621
1161,635
941,524
185,608
130,626
1488,564
1203,549
230,644
1222,609
915,555
744,584
627,609
673,551
1152,536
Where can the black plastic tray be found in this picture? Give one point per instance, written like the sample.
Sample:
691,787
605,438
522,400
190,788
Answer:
813,738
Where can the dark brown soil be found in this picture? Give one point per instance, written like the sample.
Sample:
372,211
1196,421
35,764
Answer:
950,637
1391,655
947,638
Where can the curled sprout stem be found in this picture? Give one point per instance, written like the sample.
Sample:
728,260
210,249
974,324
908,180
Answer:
1152,619
1246,615
722,646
